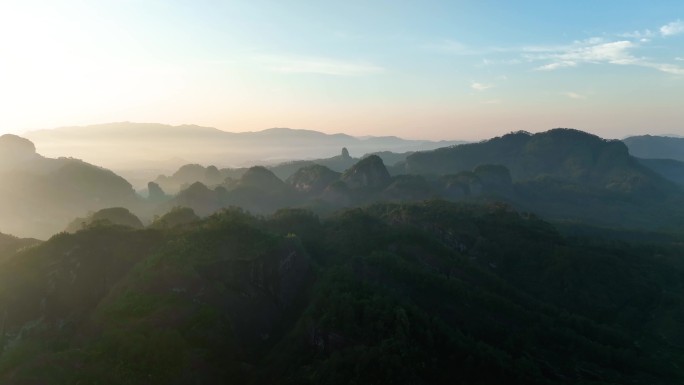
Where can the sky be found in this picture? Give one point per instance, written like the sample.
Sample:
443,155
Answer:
416,69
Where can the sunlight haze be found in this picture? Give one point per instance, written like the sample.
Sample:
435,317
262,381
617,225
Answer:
427,70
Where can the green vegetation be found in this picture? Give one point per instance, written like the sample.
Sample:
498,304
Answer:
425,293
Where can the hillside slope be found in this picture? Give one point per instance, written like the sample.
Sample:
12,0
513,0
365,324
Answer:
432,293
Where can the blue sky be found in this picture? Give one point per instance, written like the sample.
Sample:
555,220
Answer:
418,69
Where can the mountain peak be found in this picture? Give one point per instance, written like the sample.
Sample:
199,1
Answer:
16,148
368,172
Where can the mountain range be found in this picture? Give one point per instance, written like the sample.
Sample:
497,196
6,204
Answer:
548,258
656,147
562,174
141,151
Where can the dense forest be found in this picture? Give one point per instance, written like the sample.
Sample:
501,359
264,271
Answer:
432,292
550,258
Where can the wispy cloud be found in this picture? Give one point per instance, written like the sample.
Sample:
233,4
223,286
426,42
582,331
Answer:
556,65
480,86
664,67
574,95
316,65
641,35
673,28
589,51
679,58
597,51
621,49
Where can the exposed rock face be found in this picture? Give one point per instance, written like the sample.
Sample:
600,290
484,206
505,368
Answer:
312,179
369,173
345,153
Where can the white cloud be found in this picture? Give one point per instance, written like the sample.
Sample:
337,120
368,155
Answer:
480,86
679,58
673,28
556,65
316,65
664,67
574,95
597,52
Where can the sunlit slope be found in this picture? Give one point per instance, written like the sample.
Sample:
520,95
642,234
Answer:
39,196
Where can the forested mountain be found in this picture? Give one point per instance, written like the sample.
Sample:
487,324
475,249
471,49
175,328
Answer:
563,154
563,175
568,175
656,147
39,195
353,275
10,244
429,293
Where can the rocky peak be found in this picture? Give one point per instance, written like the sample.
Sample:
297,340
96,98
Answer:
16,149
155,193
369,172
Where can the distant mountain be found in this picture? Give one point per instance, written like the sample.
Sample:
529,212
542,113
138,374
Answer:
39,195
161,146
312,179
211,176
562,154
368,173
562,174
656,147
191,173
337,163
670,169
117,216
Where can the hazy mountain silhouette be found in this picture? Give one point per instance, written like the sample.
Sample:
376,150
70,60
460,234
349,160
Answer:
117,216
670,169
656,147
338,163
10,244
562,174
565,155
160,146
39,196
191,173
